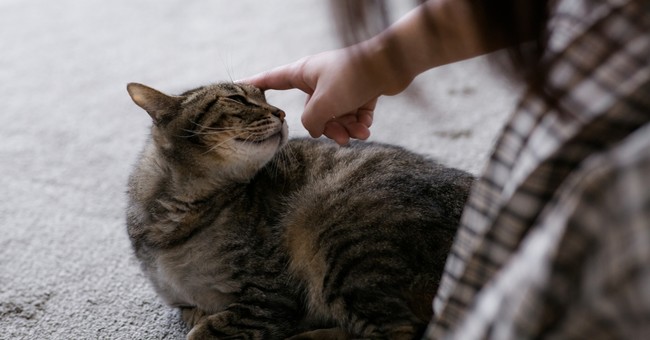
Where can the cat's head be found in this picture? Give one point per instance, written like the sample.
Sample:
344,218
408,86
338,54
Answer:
226,128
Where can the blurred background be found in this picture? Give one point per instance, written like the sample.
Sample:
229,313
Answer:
69,135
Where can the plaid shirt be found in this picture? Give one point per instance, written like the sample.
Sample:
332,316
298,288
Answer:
555,238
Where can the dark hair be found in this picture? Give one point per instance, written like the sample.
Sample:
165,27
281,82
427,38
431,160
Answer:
518,24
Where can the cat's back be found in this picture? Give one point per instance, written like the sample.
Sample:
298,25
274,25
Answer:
376,172
370,212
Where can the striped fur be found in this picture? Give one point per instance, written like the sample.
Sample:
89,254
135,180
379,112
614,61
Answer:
256,237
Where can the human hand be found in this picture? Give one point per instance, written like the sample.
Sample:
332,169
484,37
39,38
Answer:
342,87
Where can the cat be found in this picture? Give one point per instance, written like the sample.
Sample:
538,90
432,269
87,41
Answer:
254,236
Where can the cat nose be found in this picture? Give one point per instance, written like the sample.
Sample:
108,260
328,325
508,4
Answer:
280,114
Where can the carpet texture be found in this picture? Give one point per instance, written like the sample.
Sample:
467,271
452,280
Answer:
69,135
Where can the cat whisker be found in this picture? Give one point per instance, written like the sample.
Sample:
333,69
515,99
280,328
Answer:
289,157
227,64
248,128
218,129
217,146
246,140
192,133
281,164
204,133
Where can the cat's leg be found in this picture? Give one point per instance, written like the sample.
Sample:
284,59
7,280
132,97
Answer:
399,333
191,315
376,309
247,321
323,334
231,325
218,326
372,315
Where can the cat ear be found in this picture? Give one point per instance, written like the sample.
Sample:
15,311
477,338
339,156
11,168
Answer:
156,103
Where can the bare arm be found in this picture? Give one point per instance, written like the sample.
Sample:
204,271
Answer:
343,85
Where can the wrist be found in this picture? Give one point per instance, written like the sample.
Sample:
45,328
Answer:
435,33
387,64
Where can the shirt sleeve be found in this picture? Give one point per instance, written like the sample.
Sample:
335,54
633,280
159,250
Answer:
604,256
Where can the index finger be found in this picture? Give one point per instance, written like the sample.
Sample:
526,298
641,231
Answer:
280,78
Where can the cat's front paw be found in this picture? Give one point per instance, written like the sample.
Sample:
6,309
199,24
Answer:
220,326
192,315
323,334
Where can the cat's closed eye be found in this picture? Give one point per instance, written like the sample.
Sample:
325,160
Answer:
238,98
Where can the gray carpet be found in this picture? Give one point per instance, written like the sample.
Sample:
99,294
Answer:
69,134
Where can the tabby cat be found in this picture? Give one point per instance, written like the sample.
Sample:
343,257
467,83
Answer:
254,236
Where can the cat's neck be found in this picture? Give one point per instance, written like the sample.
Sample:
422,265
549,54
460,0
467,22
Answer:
183,182
187,186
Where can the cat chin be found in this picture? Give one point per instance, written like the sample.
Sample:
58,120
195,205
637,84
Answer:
247,158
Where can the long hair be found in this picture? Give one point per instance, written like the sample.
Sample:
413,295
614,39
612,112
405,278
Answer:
518,24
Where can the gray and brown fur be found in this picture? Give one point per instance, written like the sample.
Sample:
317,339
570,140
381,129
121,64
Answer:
255,236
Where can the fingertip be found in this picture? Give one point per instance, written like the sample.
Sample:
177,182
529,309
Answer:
250,81
358,131
365,119
315,130
337,132
314,133
266,80
342,140
361,132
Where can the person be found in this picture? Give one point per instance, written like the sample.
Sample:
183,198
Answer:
554,241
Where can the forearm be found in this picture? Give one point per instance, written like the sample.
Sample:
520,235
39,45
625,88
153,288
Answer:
436,33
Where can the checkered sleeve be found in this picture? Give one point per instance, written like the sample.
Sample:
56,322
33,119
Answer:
599,280
515,269
584,271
